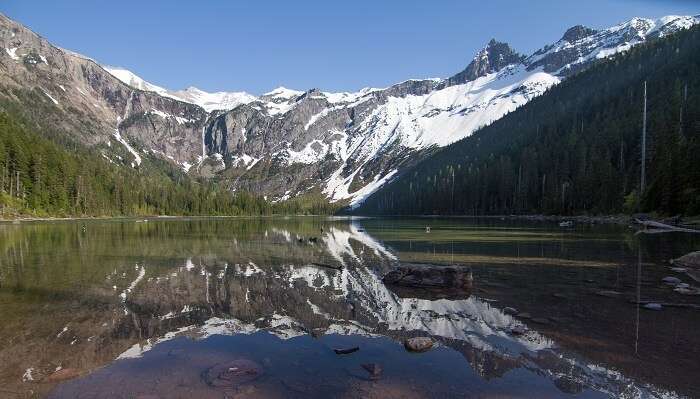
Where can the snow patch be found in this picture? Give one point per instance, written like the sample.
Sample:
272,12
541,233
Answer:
133,152
12,52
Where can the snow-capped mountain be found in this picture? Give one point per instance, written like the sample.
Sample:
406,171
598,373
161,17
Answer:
288,142
209,101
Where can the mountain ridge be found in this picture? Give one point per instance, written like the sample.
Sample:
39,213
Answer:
286,143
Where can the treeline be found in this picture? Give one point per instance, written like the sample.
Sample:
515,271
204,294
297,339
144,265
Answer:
42,178
577,148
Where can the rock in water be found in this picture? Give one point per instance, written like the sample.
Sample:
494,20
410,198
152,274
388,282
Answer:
430,282
430,276
374,370
233,373
653,306
346,351
418,344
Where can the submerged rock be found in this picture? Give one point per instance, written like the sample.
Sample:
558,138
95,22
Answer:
510,311
346,351
653,306
608,293
233,373
671,280
374,370
418,344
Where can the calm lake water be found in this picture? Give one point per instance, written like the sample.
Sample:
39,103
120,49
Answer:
147,309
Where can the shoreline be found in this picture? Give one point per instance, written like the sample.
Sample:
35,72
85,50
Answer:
617,219
156,217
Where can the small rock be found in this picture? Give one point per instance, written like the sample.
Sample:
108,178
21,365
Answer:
374,370
682,285
524,315
653,306
510,311
540,320
679,269
418,344
671,280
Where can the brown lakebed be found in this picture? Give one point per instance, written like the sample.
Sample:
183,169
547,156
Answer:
211,307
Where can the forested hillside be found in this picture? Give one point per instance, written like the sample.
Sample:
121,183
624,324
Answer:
577,148
40,177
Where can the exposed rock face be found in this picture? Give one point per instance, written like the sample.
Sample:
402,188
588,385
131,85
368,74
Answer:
71,94
286,142
492,58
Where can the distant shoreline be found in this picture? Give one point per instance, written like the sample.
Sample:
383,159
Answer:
156,217
619,219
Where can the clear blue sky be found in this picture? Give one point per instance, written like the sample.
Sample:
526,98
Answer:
333,45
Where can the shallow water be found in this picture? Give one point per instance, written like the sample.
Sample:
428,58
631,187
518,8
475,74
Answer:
128,308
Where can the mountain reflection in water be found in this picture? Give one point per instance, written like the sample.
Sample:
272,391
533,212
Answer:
171,298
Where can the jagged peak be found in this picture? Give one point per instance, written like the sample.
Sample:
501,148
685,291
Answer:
493,57
577,32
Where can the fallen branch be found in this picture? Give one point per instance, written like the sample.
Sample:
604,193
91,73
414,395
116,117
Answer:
652,227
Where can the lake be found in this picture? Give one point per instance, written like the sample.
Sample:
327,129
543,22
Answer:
133,308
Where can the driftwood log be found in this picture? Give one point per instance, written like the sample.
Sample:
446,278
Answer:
652,227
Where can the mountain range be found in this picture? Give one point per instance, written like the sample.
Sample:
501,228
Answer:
287,143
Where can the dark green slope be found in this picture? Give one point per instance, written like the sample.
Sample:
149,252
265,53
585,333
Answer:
43,177
575,149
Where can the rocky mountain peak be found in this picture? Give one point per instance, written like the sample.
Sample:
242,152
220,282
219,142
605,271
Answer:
577,32
491,58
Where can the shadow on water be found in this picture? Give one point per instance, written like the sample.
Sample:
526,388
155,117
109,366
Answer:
552,313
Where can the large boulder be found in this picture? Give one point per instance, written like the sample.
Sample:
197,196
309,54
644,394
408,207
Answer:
428,281
418,344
